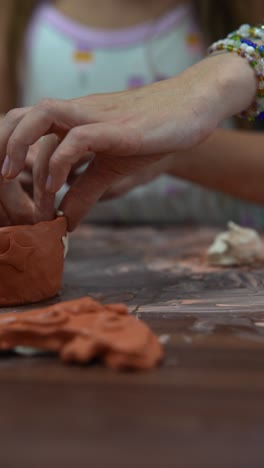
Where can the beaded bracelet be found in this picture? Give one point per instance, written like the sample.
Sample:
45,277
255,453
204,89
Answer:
240,43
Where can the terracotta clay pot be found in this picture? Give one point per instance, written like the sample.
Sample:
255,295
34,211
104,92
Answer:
31,261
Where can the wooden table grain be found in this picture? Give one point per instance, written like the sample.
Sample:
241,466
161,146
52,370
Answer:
203,408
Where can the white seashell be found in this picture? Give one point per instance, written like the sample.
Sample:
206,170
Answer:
237,246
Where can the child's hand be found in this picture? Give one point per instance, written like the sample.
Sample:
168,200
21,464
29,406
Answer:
142,177
16,207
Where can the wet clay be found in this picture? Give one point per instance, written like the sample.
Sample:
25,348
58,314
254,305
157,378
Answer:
82,330
31,261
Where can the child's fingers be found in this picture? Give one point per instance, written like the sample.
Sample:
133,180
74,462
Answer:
122,187
16,203
102,173
139,178
32,154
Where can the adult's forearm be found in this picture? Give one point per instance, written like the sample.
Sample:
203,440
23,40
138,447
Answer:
227,84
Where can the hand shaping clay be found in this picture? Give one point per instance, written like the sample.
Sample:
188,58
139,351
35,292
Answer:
82,330
31,261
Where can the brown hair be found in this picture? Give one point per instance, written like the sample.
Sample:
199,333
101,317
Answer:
218,18
19,16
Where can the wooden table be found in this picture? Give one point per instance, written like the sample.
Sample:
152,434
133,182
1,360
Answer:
204,408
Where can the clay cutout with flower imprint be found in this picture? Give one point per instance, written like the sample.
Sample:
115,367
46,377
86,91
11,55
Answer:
82,330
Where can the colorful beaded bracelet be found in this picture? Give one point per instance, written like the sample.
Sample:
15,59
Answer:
240,43
246,31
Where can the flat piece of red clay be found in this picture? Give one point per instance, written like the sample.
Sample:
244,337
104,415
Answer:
31,261
82,330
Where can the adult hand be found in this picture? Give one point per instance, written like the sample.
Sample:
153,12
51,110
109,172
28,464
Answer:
16,206
126,131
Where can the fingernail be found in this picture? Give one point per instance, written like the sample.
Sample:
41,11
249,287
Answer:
49,183
5,167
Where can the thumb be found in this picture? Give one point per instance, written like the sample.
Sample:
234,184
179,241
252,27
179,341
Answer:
122,187
86,190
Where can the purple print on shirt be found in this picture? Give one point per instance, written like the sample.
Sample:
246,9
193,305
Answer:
136,81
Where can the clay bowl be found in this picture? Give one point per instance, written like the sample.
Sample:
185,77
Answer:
31,261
